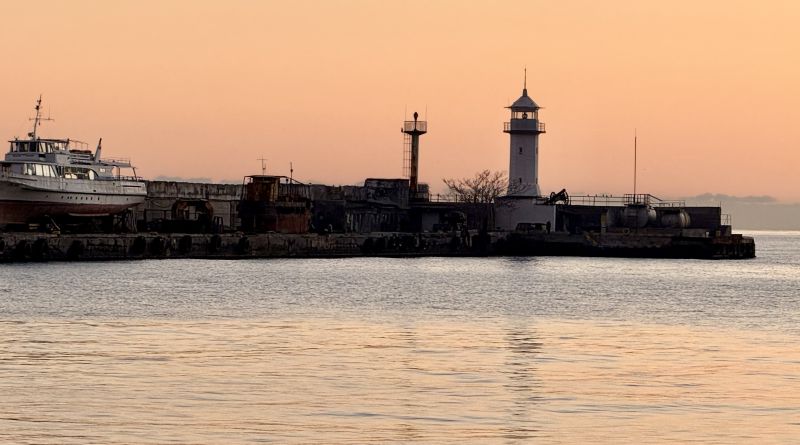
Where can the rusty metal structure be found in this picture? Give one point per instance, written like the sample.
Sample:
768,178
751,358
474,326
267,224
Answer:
413,130
274,204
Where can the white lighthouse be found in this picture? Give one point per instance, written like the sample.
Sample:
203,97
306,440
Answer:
523,203
523,164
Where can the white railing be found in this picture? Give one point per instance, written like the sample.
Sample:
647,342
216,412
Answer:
524,125
117,161
628,199
415,126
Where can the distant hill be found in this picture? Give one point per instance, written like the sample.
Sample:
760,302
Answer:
752,212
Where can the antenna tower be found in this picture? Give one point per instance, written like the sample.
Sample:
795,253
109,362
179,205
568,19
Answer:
263,165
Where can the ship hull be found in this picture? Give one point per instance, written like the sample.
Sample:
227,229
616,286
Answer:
22,202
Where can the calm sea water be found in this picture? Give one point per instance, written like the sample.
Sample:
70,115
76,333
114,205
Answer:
429,350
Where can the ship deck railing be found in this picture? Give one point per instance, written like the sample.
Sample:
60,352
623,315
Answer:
118,178
124,162
73,144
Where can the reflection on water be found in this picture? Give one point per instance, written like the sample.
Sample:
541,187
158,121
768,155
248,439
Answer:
335,380
553,350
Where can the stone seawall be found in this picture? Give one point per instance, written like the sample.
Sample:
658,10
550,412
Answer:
45,247
630,245
25,246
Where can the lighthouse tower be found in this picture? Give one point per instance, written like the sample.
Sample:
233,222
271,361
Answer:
524,128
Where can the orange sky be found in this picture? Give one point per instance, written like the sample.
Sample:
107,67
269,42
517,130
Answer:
204,88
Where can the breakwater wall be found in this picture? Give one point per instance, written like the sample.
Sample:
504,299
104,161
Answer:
25,246
74,247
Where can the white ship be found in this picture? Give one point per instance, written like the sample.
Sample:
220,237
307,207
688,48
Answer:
50,178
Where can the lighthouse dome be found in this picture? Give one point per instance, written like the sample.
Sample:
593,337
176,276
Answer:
524,103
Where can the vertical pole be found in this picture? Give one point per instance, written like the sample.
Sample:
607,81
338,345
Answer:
634,164
291,179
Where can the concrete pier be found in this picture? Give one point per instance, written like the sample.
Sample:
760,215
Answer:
26,246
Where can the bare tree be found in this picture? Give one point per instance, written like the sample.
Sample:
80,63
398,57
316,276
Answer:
484,187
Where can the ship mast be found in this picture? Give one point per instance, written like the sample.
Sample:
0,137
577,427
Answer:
38,119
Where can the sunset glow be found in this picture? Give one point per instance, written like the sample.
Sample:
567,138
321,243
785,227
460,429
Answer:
202,89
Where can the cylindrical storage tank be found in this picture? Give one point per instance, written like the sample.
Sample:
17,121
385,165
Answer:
675,219
638,216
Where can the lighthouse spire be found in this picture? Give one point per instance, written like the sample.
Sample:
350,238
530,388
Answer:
525,82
